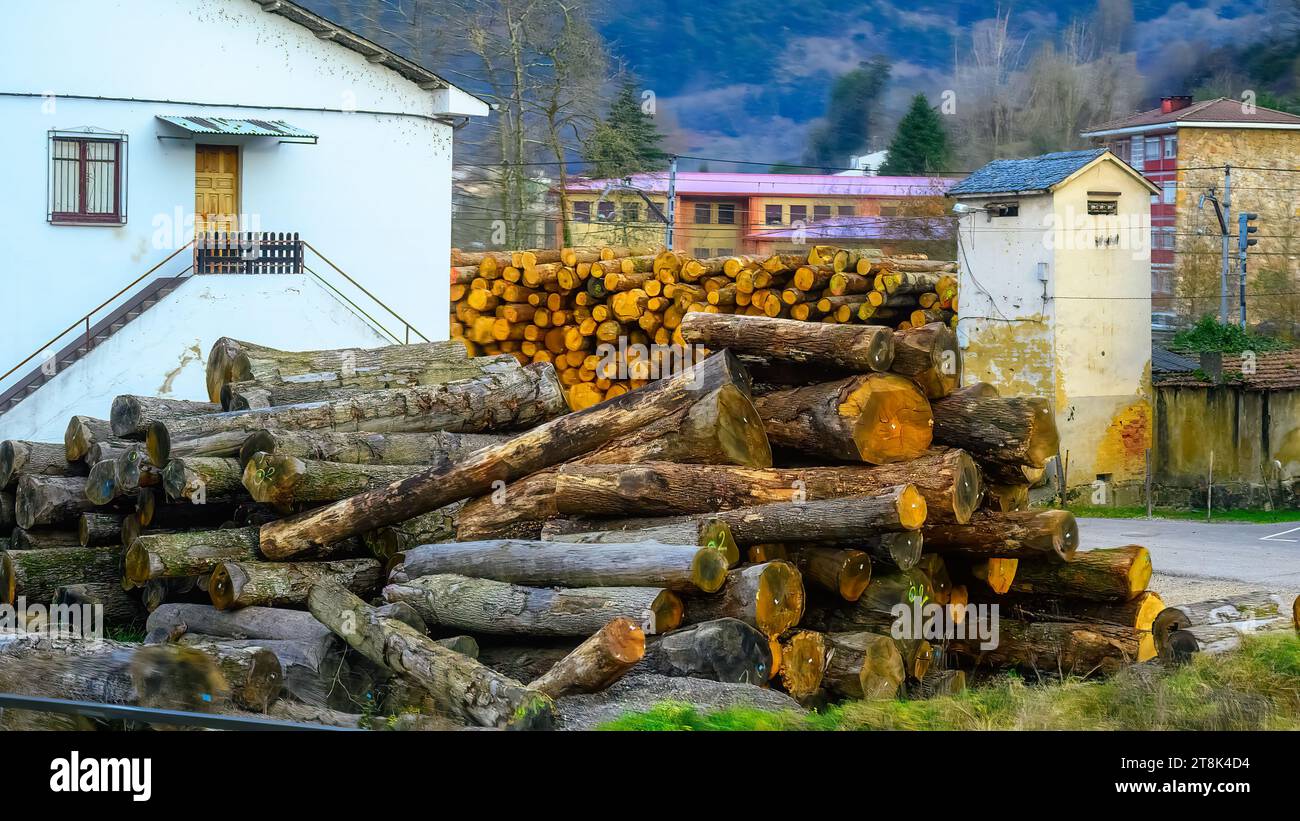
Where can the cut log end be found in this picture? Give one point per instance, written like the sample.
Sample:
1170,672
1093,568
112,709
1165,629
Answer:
716,533
780,598
967,487
271,478
224,586
894,421
999,574
803,663
740,430
665,612
257,442
709,569
158,442
912,509
101,484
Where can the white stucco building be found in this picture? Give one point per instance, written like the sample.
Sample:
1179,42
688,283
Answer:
124,119
1055,300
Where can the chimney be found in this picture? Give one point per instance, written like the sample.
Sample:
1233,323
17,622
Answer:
1212,366
1169,105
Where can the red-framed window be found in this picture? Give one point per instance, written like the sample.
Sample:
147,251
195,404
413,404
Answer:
87,179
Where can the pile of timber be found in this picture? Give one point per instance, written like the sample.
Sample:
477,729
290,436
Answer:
415,532
561,306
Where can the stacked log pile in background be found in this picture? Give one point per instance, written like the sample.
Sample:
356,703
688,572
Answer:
560,306
448,533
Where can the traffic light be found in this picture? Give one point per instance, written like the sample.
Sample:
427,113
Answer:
1245,229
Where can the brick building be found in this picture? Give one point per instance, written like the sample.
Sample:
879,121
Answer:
1182,147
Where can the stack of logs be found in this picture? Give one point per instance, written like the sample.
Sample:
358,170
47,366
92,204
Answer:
561,306
415,532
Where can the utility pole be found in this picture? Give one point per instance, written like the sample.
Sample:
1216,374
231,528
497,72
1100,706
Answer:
1244,241
1225,222
672,203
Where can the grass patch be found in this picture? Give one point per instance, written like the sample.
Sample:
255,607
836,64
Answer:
1249,516
1254,688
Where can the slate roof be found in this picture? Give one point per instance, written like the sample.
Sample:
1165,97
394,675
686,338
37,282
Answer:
1029,174
1274,371
1222,110
1164,360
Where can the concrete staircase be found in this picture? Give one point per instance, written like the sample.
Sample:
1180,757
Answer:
144,299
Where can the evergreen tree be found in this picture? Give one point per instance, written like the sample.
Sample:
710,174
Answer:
627,141
920,144
846,128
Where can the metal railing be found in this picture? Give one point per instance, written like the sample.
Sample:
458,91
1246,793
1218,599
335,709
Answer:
409,328
273,254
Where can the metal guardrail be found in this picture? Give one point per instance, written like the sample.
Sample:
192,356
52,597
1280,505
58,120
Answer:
409,327
181,718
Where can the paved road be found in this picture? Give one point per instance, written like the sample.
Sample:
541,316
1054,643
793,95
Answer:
1267,555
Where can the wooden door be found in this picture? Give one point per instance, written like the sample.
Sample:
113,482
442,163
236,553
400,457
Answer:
216,188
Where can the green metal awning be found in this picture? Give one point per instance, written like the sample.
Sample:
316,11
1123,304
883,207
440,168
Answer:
239,128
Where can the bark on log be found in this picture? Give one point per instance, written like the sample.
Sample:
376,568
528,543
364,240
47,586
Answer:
1006,498
947,478
119,609
22,539
284,481
109,672
524,662
803,663
194,553
1014,430
721,428
19,458
553,442
1182,644
460,685
314,671
328,385
270,584
939,683
769,596
1257,605
878,418
1022,534
83,432
596,663
50,500
498,401
930,356
225,443
265,623
853,347
726,650
231,360
131,416
203,479
1117,573
875,608
174,589
365,448
701,531
845,573
1138,613
679,568
863,665
253,674
428,528
1058,648
95,529
500,608
37,574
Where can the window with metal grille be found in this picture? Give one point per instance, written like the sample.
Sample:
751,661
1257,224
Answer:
821,212
726,213
631,212
582,211
1097,207
772,214
703,213
87,179
700,253
844,210
724,252
605,211
798,213
1003,209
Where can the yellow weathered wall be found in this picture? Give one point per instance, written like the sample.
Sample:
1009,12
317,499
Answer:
1083,338
1249,433
647,230
1101,300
